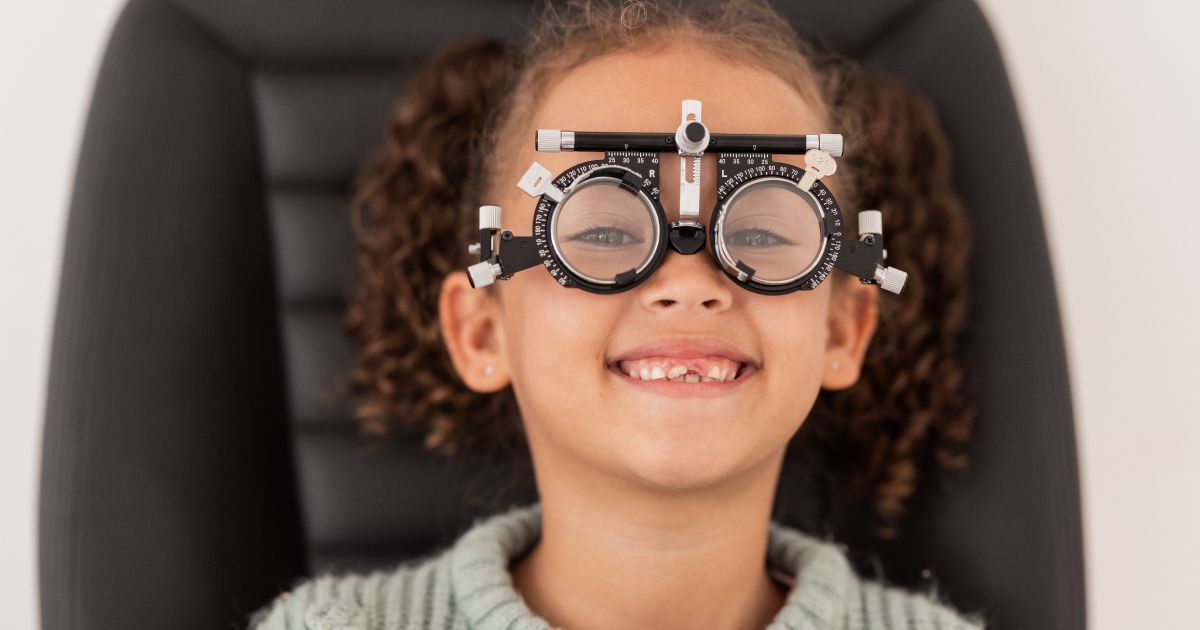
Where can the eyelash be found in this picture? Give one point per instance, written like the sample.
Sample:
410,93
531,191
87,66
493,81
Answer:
581,236
776,236
592,228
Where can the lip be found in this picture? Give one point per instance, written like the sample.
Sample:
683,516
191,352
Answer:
687,349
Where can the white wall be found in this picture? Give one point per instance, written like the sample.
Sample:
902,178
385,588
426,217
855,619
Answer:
1090,74
1087,74
49,53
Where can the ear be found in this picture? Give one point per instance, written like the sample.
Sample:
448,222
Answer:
853,314
470,321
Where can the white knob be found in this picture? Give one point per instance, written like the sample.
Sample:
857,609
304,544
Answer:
489,217
870,222
831,142
482,273
549,139
890,278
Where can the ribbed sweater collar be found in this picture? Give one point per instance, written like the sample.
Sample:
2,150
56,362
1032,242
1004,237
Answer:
484,590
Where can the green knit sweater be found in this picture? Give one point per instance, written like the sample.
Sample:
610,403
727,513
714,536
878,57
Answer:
468,586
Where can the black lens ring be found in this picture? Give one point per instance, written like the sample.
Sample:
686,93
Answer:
831,228
627,179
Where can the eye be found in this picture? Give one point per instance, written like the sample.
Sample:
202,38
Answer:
756,237
606,236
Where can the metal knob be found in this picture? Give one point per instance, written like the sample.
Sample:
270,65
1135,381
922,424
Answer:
890,278
692,137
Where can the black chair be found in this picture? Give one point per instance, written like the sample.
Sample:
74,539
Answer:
198,458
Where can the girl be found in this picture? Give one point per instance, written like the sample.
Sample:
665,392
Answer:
655,495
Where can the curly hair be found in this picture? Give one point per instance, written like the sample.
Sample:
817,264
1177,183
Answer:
415,199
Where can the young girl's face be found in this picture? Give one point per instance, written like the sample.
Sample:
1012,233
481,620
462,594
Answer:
560,348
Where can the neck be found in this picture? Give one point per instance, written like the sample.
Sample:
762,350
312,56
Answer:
617,555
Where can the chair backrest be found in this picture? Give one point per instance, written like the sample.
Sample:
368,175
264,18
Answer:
198,458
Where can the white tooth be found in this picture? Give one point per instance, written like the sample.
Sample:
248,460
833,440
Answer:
657,373
692,378
715,374
676,370
677,379
631,371
645,372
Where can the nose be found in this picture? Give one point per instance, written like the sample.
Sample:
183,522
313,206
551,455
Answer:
686,283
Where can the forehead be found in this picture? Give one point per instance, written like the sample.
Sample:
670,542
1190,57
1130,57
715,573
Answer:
642,91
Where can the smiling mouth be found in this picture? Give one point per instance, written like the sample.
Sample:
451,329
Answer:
684,373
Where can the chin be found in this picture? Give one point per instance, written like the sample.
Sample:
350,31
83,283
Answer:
676,467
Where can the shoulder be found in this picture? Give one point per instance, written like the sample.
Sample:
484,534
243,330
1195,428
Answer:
826,586
451,587
904,608
361,601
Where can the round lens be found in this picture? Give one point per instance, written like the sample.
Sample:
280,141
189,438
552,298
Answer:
773,227
602,230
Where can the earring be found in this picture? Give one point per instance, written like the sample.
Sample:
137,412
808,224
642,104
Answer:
487,369
835,365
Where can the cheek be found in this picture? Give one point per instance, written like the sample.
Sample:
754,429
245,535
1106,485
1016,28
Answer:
794,333
556,342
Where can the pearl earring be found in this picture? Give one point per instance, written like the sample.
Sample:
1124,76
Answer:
487,369
835,365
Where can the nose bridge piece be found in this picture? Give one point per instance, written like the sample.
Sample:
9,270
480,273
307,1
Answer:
691,138
686,237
